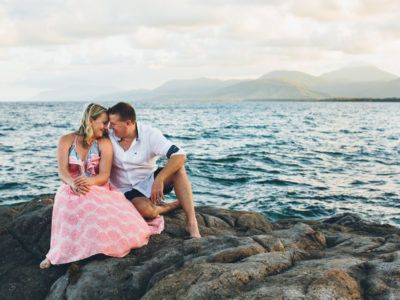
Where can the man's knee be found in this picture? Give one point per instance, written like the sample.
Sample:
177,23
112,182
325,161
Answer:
149,213
181,172
145,208
178,176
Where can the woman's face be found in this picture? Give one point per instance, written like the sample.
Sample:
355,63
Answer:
99,125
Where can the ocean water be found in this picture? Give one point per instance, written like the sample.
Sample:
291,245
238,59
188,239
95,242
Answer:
283,159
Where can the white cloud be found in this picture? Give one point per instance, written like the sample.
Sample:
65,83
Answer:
133,44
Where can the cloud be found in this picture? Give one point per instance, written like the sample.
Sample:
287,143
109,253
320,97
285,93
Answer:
334,11
132,44
63,22
377,8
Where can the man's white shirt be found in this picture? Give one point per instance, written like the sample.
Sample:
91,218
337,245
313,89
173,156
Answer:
134,168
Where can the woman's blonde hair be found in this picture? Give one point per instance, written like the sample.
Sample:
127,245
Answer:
93,111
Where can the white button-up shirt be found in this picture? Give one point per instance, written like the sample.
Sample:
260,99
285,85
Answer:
134,168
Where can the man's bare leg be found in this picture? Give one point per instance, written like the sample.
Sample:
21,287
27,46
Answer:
149,210
183,191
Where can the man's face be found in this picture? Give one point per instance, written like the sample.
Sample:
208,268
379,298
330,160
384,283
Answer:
120,127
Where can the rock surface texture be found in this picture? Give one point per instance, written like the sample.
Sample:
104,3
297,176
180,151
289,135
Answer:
241,256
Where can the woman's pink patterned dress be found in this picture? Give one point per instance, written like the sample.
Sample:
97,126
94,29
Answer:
102,221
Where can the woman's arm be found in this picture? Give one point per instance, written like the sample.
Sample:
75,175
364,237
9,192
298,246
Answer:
64,144
106,156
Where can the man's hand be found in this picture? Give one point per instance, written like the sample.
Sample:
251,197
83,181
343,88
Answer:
157,192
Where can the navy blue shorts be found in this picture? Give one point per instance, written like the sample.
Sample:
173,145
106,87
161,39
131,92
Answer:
134,193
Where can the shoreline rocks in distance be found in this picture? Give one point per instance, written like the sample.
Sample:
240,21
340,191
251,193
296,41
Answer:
242,255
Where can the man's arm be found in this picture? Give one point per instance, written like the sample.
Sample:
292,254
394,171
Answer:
173,164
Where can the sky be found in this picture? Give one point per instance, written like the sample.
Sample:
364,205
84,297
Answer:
55,44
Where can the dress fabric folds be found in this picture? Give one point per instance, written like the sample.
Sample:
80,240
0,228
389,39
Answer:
102,221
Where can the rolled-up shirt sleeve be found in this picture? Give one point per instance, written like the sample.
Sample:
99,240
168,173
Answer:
162,147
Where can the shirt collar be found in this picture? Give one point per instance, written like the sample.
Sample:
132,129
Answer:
137,131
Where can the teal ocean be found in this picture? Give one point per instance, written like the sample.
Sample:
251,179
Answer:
283,159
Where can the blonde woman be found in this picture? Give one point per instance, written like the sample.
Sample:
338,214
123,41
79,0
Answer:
91,216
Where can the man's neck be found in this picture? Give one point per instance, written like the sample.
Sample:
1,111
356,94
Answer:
127,140
130,136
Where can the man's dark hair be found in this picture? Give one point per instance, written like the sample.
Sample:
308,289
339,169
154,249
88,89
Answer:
124,110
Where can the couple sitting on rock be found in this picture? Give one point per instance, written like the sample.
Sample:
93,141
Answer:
92,215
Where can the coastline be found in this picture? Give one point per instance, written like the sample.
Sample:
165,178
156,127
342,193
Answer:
241,255
383,100
225,100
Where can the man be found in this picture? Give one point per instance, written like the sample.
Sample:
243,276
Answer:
136,150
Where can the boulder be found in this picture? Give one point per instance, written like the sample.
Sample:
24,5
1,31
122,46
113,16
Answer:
242,255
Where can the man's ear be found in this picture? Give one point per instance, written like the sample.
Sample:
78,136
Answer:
129,122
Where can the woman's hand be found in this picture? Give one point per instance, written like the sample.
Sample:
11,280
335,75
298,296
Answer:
81,185
79,190
82,180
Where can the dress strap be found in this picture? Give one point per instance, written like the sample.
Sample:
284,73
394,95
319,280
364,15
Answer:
75,140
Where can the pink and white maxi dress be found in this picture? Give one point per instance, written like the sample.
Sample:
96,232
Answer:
102,221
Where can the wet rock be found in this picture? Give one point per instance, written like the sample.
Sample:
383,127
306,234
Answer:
242,255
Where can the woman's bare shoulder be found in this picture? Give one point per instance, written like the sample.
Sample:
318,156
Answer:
67,139
104,144
104,141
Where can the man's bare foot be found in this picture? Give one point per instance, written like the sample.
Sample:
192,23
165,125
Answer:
193,230
172,206
45,264
166,207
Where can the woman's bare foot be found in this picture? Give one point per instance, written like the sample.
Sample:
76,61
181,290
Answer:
45,264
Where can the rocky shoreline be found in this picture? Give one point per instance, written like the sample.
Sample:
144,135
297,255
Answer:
242,255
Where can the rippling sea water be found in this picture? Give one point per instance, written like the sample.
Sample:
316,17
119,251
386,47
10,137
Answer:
283,159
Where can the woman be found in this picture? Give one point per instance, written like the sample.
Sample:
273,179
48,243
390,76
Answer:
90,216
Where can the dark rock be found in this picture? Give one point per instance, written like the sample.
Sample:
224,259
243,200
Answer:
6,213
20,276
241,256
334,285
356,223
383,277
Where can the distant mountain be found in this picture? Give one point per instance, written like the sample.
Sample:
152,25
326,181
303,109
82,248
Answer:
358,74
374,89
293,76
74,93
195,89
268,89
126,96
365,82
